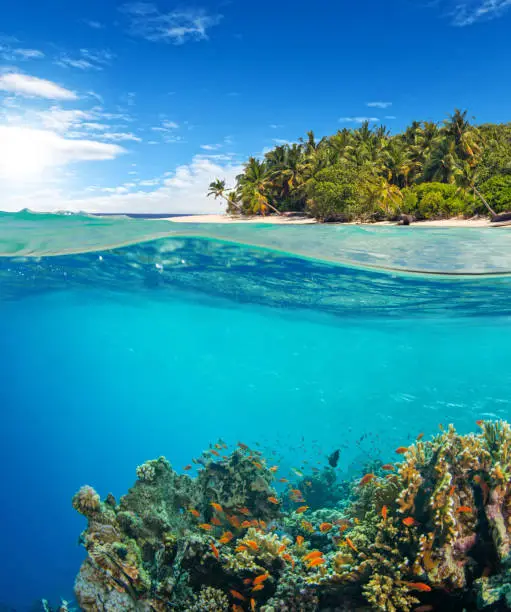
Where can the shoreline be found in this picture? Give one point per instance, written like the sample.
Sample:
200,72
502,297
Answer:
274,220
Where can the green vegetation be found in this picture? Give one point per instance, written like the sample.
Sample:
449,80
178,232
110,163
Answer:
429,171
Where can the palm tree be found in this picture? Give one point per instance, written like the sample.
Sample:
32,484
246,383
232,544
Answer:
382,195
466,179
254,185
218,190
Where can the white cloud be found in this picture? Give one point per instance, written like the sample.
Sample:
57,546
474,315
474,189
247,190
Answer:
211,147
390,117
166,126
121,136
379,104
27,152
183,192
33,87
86,60
95,25
176,27
469,12
358,119
275,126
60,120
12,53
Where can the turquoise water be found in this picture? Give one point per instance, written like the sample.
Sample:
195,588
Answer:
115,356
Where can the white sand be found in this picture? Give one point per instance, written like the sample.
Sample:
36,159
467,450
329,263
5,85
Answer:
274,219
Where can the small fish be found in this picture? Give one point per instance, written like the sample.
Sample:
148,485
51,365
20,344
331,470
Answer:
217,507
463,509
252,544
401,450
240,548
283,480
246,524
325,527
206,526
234,521
273,500
261,578
297,472
308,483
418,586
316,562
440,427
281,549
384,512
242,446
307,526
419,437
274,468
258,465
194,512
365,479
219,446
388,467
226,537
237,595
263,524
409,521
214,452
315,554
351,545
258,587
215,550
187,467
288,557
252,604
480,422
301,509
299,540
452,489
216,521
247,581
236,608
244,511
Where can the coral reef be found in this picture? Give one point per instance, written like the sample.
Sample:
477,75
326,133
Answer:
430,532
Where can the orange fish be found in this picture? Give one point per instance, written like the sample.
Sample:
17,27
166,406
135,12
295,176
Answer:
452,489
479,423
187,467
258,465
300,540
419,437
274,468
236,608
216,521
367,478
273,500
252,544
205,526
388,467
283,480
288,557
214,452
195,513
227,536
409,521
384,512
214,549
325,527
463,509
263,524
242,446
261,578
237,595
315,554
254,523
281,549
247,581
234,521
401,450
316,562
252,604
307,526
246,524
258,587
301,509
217,507
296,492
241,548
351,545
244,511
418,586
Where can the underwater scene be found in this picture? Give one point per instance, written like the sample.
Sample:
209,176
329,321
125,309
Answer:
253,417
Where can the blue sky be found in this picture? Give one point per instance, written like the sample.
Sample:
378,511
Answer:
112,106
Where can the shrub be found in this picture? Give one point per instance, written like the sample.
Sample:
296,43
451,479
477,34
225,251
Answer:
497,191
333,195
436,201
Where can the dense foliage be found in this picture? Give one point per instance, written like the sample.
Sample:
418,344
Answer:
429,171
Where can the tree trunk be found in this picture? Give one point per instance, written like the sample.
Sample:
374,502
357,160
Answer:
483,200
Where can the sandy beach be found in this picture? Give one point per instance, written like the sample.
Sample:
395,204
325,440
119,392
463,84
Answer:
275,220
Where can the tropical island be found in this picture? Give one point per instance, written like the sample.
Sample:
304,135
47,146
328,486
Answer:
428,171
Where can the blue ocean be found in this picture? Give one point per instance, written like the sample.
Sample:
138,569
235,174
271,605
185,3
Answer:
123,340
